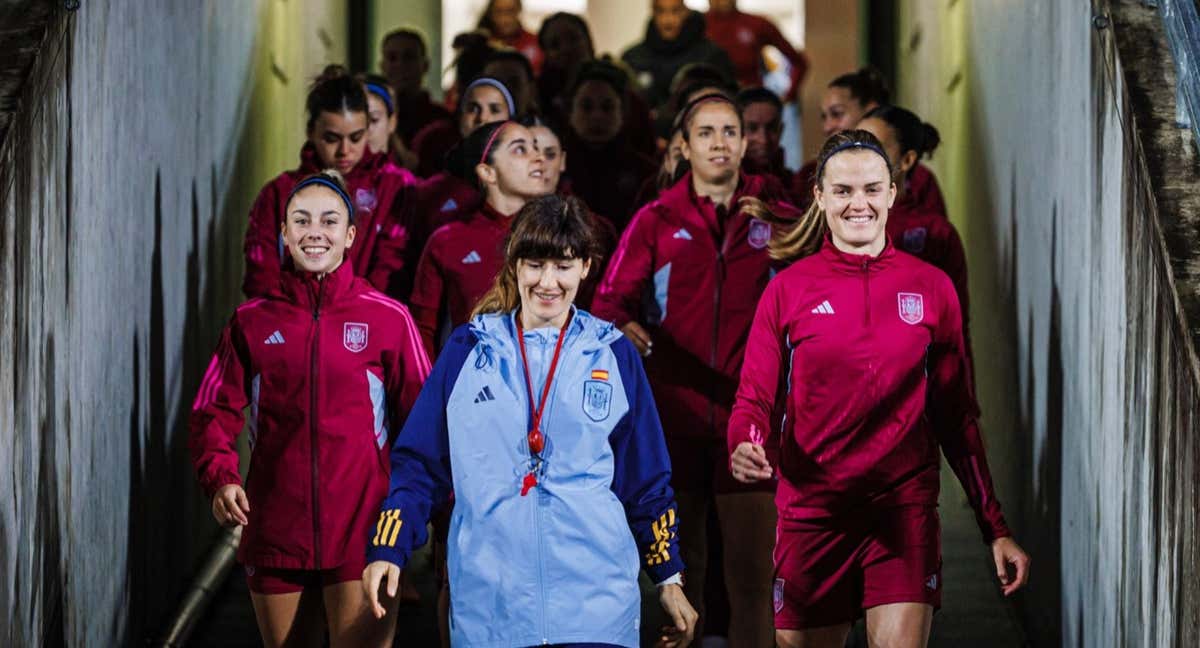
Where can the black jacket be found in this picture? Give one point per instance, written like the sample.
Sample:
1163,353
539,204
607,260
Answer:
655,61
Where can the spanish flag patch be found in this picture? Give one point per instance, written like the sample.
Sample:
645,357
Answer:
599,374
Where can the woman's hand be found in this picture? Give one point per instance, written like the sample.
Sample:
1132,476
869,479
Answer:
380,572
682,615
230,506
639,336
749,463
1006,551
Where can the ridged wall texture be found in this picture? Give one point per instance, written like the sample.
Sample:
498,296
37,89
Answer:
143,132
1076,198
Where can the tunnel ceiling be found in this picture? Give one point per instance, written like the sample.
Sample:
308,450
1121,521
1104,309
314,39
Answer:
22,28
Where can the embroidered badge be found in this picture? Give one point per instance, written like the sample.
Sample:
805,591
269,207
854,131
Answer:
913,240
912,307
365,199
597,399
777,594
760,234
354,336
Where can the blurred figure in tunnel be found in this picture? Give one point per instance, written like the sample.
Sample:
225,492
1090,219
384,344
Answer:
404,60
501,19
743,37
674,38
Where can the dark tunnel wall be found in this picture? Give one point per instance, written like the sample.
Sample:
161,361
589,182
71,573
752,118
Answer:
1054,171
145,130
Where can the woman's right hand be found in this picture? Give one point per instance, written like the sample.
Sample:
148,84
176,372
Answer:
639,336
749,463
380,572
230,506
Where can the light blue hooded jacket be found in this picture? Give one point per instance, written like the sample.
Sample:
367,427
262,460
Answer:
559,565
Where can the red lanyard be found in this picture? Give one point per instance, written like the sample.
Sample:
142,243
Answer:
537,441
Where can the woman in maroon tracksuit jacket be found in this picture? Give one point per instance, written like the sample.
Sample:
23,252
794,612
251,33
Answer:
682,285
462,258
337,139
329,368
866,344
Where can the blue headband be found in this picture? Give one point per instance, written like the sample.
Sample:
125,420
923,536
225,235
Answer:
383,94
489,81
853,145
325,182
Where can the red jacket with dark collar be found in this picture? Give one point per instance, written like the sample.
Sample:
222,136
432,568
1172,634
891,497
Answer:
329,370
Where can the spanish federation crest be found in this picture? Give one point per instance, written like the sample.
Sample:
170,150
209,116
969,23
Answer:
913,240
354,336
365,199
912,307
597,399
760,234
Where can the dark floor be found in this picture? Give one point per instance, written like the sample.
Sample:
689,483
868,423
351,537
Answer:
974,613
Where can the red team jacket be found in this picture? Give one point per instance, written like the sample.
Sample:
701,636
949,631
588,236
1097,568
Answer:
329,370
694,278
430,204
871,354
458,266
743,37
375,185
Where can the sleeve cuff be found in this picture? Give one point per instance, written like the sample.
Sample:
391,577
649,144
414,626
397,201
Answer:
397,557
673,579
664,571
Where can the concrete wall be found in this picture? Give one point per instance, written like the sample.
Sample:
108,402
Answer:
1086,372
146,131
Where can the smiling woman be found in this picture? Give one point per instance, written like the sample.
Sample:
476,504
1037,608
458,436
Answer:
538,416
337,138
320,457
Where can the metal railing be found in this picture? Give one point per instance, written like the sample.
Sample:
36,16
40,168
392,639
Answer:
1181,21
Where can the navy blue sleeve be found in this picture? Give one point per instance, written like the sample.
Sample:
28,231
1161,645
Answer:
642,470
421,478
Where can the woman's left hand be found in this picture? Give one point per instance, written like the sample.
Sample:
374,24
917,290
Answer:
682,615
1006,551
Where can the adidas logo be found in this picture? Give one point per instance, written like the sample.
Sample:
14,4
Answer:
824,308
275,338
932,582
485,395
683,234
473,257
449,205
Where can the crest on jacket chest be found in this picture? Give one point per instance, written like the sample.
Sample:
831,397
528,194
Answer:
365,199
597,398
759,234
912,307
354,336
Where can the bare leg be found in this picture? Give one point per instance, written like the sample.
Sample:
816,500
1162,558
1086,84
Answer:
899,625
351,621
748,530
693,547
827,637
294,620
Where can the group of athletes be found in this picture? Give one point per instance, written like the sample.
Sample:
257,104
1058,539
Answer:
562,322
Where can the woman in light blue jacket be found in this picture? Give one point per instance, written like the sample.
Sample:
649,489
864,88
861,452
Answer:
539,418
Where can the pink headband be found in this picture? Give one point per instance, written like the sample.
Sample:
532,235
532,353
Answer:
492,140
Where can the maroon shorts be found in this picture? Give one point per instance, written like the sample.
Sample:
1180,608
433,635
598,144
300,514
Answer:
700,464
271,580
827,571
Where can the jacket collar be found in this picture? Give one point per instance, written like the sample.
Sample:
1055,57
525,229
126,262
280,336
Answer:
497,332
495,215
856,263
305,290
